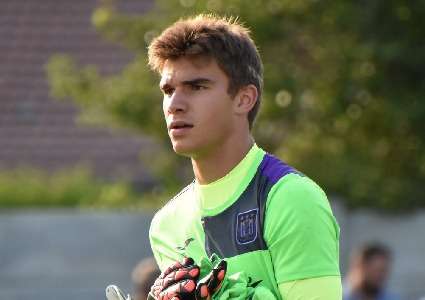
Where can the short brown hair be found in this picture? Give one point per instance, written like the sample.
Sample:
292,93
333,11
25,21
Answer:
225,40
372,250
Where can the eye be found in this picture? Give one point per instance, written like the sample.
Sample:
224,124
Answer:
168,91
197,87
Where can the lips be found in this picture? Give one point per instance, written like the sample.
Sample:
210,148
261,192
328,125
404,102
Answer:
179,128
179,125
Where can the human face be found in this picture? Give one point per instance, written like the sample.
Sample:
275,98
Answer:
376,271
197,107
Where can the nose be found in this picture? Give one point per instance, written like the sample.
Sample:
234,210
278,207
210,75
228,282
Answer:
175,103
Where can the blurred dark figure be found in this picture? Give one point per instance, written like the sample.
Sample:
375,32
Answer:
143,277
368,273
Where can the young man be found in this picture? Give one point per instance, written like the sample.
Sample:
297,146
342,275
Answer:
368,273
265,219
143,276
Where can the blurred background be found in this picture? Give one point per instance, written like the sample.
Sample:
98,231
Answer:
85,159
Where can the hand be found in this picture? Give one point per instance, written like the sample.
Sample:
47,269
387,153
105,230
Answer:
177,282
211,283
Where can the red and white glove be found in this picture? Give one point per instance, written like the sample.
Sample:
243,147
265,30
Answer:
180,282
177,282
207,286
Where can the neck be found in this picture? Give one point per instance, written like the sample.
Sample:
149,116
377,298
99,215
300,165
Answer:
217,163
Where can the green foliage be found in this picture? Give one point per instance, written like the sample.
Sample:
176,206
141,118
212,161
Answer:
26,188
344,88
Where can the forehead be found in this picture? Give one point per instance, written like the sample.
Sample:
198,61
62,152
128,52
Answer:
183,69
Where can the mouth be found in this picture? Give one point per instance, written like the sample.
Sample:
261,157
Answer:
179,128
179,125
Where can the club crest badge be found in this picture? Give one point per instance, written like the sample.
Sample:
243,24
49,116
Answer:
246,227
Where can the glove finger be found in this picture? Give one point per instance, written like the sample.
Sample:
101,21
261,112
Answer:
168,276
208,285
168,297
218,274
187,261
191,272
183,290
202,292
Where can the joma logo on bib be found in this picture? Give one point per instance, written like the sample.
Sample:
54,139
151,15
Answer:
246,226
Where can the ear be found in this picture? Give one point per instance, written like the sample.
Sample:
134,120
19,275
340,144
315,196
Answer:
245,99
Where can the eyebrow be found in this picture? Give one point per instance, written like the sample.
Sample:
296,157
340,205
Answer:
194,81
197,81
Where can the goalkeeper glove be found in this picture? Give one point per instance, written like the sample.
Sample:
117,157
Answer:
177,282
211,283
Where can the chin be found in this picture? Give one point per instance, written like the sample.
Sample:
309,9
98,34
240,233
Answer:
182,149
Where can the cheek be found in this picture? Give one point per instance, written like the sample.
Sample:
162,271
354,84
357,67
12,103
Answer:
217,120
224,112
220,105
164,107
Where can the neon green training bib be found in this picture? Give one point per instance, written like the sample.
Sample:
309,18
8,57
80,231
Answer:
264,217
